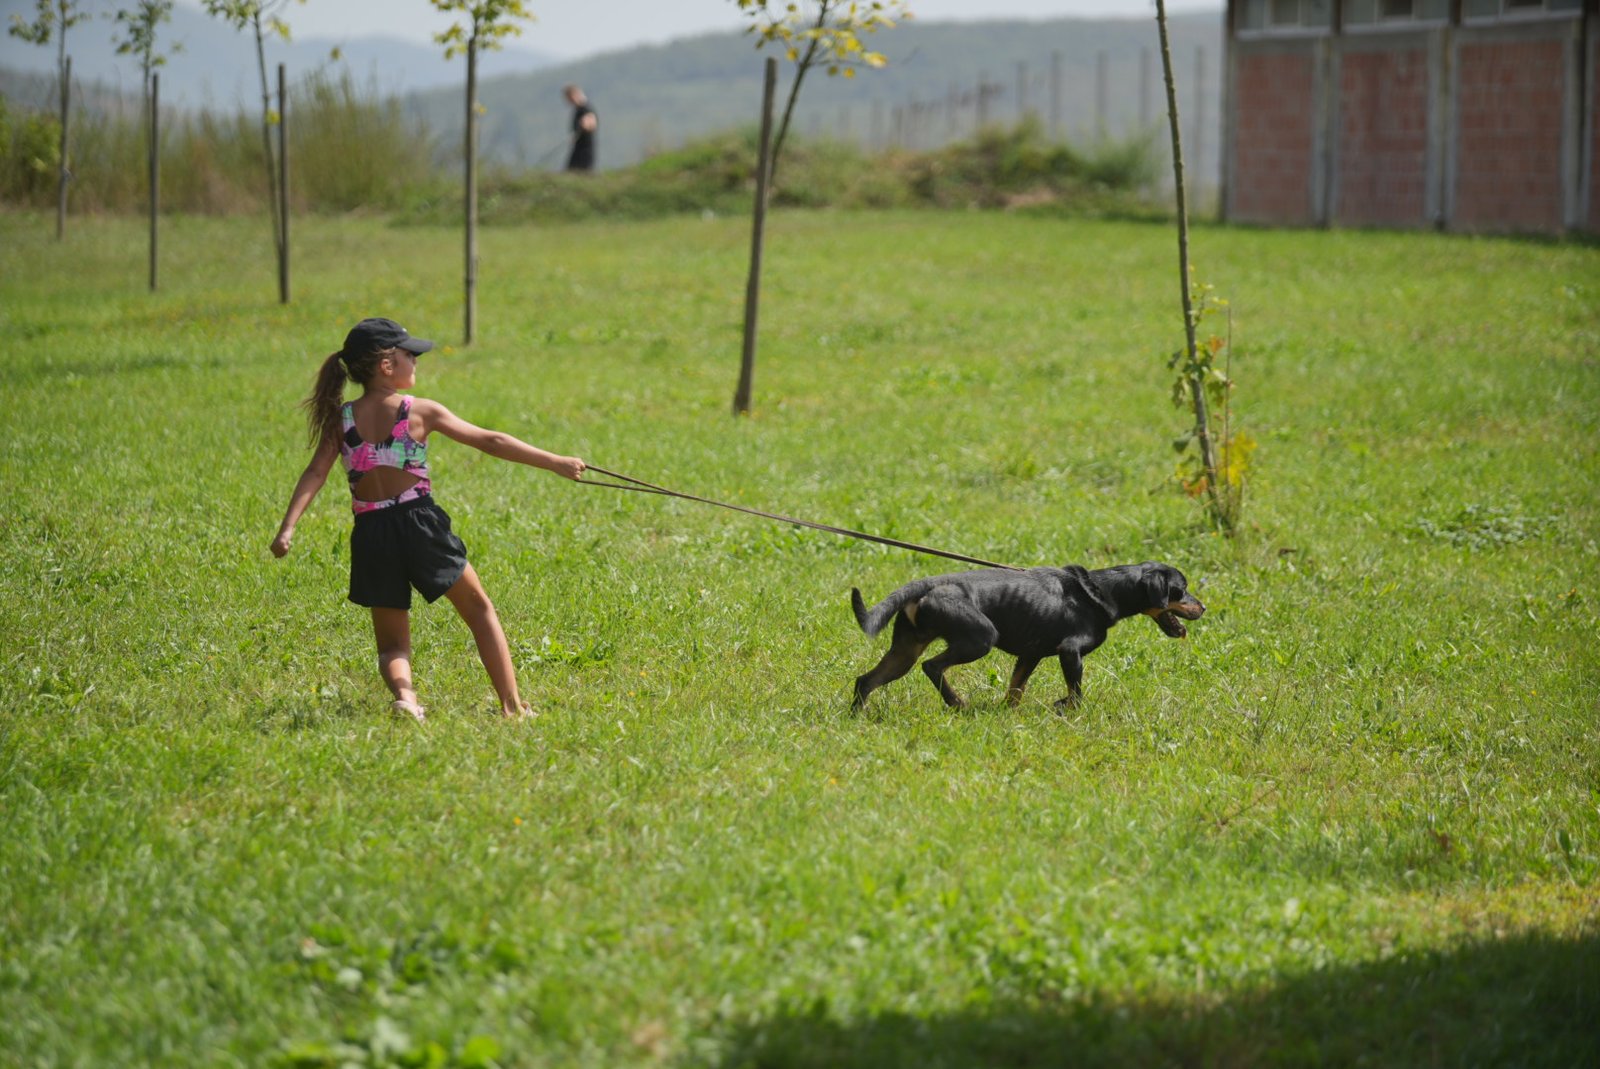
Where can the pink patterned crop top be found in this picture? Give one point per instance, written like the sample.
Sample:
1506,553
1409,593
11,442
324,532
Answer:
399,450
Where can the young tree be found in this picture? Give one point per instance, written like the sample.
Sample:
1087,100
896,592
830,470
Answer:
1206,386
263,19
137,38
488,23
822,33
52,19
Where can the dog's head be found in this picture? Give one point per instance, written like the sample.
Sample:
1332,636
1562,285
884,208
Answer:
1167,595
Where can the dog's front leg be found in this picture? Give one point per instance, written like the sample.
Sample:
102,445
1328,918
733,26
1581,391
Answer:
1072,669
1019,678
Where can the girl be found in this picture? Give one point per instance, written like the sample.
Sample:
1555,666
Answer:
401,539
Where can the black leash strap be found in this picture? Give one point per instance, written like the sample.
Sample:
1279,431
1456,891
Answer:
640,486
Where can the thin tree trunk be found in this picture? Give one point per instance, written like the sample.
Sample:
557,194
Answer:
471,150
1197,393
794,90
752,293
63,174
283,188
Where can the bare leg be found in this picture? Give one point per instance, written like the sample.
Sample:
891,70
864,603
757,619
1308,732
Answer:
472,602
392,629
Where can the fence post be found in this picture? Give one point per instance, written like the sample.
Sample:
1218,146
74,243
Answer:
1055,95
155,173
1100,101
469,313
1199,118
752,292
63,175
1144,89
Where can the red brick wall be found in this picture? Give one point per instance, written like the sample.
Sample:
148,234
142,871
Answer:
1594,137
1272,138
1508,174
1383,138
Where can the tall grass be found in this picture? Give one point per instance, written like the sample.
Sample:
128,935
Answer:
348,148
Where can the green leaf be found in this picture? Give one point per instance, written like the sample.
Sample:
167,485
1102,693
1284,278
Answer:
480,1053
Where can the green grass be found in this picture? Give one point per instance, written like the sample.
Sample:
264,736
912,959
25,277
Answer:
1355,818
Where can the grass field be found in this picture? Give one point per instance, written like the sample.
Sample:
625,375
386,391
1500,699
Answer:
1354,819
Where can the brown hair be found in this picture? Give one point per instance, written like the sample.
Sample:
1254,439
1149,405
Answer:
327,393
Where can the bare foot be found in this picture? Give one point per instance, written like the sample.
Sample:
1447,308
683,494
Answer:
411,709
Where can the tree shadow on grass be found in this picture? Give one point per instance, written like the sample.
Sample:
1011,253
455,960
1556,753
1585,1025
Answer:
1525,1001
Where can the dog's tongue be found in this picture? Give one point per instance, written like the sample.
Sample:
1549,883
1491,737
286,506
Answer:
1170,625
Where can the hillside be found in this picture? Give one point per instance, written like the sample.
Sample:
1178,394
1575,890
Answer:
657,97
210,65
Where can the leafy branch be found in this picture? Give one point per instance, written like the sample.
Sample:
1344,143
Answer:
1216,467
824,34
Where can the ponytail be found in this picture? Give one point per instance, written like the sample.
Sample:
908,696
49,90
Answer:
327,395
322,407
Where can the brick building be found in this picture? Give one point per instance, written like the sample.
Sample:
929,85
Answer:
1474,115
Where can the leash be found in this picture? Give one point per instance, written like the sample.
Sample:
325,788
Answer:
640,486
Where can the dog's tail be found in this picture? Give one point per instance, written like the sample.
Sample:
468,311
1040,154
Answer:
873,619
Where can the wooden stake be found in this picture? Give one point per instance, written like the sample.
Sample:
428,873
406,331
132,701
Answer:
752,293
283,187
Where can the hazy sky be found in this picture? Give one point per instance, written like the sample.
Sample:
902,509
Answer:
572,28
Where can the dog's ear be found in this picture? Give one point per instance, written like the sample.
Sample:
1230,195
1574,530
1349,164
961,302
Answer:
1155,584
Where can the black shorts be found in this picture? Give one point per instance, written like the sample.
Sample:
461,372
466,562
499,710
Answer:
400,547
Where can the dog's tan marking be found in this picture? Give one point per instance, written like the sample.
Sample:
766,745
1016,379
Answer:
911,611
1177,608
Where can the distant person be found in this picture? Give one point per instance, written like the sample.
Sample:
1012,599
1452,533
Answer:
584,124
401,539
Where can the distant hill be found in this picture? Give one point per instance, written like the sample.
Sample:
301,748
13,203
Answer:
659,96
217,66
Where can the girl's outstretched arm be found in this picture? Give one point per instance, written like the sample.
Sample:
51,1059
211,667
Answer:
311,481
436,417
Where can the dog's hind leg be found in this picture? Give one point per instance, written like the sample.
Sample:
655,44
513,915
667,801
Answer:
1019,678
967,631
904,650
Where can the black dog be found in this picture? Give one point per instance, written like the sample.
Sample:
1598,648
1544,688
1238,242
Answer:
1033,614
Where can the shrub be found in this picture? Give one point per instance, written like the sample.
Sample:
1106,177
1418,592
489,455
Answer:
30,148
211,163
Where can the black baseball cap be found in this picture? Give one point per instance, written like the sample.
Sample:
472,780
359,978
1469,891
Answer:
376,335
